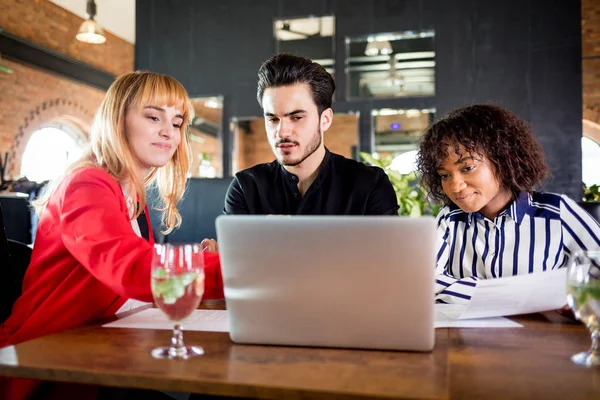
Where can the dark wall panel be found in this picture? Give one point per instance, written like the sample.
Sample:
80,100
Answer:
521,54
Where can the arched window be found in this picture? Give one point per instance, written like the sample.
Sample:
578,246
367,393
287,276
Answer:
49,151
590,153
590,160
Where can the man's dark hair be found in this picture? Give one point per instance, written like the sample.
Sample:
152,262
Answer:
287,69
485,130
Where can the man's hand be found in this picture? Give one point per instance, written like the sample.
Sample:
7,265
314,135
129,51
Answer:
210,245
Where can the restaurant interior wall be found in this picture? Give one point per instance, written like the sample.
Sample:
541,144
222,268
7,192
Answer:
523,56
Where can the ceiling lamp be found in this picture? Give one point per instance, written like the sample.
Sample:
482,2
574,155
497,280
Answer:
90,31
371,49
378,46
385,47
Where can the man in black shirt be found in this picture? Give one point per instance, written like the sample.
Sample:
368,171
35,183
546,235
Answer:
296,94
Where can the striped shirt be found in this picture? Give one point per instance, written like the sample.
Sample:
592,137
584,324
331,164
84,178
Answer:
537,232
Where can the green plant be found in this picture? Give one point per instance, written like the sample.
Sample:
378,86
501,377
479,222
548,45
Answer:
411,196
591,193
205,156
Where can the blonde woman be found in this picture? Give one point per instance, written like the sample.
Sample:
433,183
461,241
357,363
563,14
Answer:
89,257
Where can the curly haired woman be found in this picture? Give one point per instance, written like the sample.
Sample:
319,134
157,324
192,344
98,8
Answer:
484,164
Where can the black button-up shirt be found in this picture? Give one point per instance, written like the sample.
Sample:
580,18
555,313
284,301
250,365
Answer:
342,187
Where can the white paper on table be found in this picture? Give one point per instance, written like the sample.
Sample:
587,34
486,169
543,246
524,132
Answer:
153,318
445,318
520,294
216,320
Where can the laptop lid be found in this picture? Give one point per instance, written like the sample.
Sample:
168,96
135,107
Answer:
330,281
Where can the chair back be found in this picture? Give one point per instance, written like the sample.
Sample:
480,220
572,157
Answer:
4,253
17,216
14,260
5,283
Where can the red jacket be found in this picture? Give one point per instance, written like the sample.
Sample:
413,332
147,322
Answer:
87,261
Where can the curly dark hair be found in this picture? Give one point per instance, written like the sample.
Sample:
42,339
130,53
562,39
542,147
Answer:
486,130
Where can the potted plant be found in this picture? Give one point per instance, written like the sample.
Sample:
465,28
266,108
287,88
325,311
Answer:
591,200
591,194
411,196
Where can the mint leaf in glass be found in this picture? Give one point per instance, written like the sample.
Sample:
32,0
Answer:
171,288
187,278
159,273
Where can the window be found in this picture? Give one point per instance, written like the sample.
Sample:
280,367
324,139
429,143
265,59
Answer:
48,153
205,138
590,160
397,135
387,65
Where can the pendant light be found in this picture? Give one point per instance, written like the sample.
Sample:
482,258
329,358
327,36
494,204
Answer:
90,31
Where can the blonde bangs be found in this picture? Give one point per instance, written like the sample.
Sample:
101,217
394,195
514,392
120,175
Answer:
163,90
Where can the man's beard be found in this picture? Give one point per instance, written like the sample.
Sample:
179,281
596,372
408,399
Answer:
311,147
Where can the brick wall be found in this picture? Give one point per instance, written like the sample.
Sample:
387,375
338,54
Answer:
45,23
342,136
590,43
32,99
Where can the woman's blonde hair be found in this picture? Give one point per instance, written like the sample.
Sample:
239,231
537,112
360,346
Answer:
110,150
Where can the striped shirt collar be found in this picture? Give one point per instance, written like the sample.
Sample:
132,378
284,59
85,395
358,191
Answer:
519,208
516,210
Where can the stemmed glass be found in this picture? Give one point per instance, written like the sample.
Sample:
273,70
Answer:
177,287
583,297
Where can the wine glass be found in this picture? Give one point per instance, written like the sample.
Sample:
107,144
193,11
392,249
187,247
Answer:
583,297
177,287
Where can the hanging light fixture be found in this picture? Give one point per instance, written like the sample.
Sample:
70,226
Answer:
90,31
385,47
376,46
371,49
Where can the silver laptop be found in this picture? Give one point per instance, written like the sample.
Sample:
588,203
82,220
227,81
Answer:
329,281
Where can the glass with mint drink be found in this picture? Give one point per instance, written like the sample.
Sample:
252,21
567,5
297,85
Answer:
177,287
583,297
177,294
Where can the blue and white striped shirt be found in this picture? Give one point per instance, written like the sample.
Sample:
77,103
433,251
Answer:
535,233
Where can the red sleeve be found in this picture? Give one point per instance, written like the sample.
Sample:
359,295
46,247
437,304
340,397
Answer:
96,231
213,285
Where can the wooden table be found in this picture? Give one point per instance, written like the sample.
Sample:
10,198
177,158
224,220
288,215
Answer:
510,363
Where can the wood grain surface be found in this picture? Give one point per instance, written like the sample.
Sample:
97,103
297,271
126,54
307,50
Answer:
513,363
